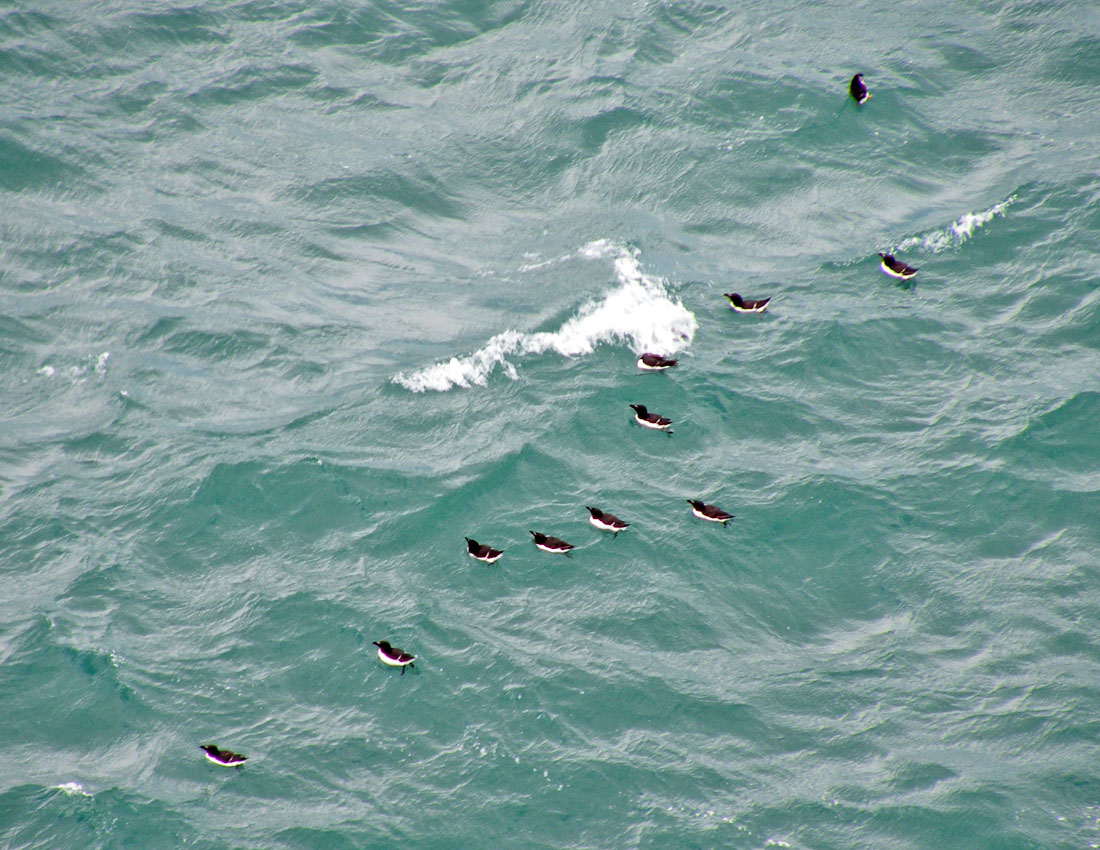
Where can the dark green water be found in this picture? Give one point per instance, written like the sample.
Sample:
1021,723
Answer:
295,296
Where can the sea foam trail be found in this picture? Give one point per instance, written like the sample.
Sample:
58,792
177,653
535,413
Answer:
639,311
958,232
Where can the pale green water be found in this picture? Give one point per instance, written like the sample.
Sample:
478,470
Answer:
293,297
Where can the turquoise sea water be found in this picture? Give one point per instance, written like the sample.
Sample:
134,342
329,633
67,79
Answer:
294,296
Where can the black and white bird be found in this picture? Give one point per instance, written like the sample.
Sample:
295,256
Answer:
709,512
394,657
550,544
858,90
650,420
481,552
895,267
655,363
223,757
743,305
605,521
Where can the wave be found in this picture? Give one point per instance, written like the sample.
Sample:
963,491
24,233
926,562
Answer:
72,788
78,372
958,232
639,311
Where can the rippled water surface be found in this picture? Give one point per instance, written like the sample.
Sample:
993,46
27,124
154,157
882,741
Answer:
296,296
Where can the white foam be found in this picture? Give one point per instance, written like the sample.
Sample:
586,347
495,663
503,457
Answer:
79,371
72,788
600,249
958,232
639,312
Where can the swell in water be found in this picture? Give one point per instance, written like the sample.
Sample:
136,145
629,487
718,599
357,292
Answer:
957,232
639,312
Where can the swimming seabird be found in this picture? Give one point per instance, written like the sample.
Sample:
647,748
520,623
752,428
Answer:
743,305
551,544
709,512
895,267
858,90
394,657
223,757
655,362
481,552
650,420
605,521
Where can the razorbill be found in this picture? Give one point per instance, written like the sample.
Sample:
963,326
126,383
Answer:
655,363
605,521
895,267
858,90
480,552
709,512
223,757
550,544
650,420
394,657
742,305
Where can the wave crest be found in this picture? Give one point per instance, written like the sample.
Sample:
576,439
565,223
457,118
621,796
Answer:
639,311
958,232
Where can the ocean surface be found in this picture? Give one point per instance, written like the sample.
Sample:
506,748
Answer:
294,296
